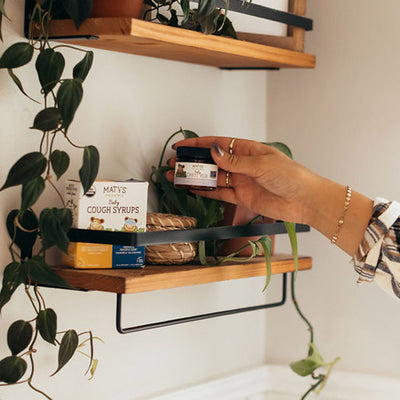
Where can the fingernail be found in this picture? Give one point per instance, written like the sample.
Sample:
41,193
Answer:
217,149
174,146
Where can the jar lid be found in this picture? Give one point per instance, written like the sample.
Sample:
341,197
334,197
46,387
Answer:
194,152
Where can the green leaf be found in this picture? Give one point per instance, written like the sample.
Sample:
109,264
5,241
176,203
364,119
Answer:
52,229
49,66
291,230
12,369
19,336
90,167
308,365
65,217
185,4
282,147
69,97
17,55
23,231
47,324
19,84
47,120
187,134
68,345
39,272
31,191
78,10
304,367
266,244
82,69
27,168
59,162
206,7
13,276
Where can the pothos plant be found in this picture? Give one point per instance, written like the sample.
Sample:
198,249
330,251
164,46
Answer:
33,232
206,17
208,213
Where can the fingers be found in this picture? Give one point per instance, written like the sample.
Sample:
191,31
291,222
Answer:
240,146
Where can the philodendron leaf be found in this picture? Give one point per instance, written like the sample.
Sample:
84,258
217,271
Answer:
13,276
291,230
52,229
59,162
47,324
19,84
68,345
19,336
12,369
90,167
23,231
69,96
206,7
308,365
17,55
39,272
82,69
185,4
266,244
282,147
49,66
31,191
78,10
27,168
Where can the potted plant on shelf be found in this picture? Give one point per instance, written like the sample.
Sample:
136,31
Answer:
33,231
208,213
206,17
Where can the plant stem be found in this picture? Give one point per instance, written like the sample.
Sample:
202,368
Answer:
165,146
296,304
313,387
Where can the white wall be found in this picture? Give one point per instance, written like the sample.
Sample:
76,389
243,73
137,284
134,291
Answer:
131,105
342,120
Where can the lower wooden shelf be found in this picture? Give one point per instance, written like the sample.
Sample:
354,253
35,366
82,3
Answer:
156,277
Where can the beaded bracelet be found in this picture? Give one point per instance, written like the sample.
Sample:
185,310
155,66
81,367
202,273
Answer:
341,220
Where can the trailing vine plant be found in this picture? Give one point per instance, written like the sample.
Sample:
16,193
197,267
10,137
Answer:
208,213
32,232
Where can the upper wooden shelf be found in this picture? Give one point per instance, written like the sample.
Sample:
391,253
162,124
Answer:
156,277
145,38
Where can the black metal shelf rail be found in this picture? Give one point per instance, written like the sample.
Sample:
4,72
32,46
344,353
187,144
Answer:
200,317
189,235
239,6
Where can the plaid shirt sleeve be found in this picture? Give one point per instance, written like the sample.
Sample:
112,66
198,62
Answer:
378,256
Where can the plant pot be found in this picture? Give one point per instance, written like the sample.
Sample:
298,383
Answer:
117,8
236,215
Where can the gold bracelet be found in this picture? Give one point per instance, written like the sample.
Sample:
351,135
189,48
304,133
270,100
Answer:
341,220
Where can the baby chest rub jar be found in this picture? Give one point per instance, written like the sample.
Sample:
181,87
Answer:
195,169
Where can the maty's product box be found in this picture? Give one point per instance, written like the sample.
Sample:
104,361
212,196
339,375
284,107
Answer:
110,206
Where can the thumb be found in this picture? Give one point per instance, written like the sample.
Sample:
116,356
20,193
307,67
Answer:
233,162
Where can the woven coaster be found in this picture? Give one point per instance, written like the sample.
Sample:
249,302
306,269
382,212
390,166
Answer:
170,253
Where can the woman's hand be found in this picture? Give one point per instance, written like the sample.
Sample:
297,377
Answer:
261,178
269,183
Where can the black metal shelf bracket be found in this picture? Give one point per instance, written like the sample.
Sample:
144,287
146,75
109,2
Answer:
161,324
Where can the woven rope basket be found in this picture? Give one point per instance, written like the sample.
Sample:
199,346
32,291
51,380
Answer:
170,253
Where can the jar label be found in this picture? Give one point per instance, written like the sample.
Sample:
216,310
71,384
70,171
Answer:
196,174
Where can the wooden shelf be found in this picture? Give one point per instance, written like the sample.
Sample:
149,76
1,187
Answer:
156,277
145,38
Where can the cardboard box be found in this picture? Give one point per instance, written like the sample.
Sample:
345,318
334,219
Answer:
111,206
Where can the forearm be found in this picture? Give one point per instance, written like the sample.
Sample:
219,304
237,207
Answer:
325,207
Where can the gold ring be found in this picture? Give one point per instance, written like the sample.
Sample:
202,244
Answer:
228,179
231,146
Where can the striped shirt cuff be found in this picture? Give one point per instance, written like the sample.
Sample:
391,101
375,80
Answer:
379,238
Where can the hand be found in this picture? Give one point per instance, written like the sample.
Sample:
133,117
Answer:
262,178
269,183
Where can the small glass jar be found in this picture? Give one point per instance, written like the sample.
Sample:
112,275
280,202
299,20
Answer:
195,169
